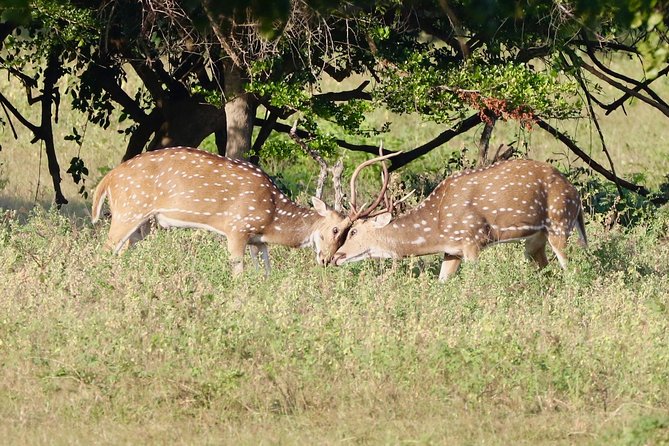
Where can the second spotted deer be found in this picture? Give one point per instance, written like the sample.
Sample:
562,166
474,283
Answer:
511,200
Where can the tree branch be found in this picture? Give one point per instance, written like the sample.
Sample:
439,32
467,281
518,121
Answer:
571,145
461,127
637,85
594,119
356,93
616,46
29,125
621,87
399,160
149,79
622,99
263,134
52,73
104,77
148,125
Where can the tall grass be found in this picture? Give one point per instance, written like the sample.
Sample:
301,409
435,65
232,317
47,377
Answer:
162,345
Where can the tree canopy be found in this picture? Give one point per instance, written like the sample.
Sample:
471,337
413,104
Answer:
225,68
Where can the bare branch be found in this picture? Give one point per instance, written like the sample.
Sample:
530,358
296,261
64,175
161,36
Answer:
405,157
621,87
460,34
567,141
29,125
622,99
594,119
356,93
637,85
461,127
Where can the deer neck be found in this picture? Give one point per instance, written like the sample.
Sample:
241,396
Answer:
292,225
414,233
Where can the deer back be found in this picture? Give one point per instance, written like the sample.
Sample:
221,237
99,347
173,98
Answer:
508,200
193,185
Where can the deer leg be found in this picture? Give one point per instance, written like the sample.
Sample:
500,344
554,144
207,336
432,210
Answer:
236,247
535,249
140,233
265,259
449,266
471,252
257,251
558,244
121,235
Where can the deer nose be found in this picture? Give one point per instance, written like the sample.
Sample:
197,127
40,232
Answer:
337,257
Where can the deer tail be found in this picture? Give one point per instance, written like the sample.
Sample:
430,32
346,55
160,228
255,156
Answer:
101,192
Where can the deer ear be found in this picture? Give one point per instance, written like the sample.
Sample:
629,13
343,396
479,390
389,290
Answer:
382,220
319,206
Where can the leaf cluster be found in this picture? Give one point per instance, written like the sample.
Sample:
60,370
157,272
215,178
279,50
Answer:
443,92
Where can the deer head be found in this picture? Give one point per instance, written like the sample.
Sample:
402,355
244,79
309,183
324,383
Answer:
330,242
510,200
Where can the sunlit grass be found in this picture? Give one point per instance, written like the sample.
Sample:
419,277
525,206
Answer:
162,344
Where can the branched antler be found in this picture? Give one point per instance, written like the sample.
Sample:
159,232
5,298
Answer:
366,211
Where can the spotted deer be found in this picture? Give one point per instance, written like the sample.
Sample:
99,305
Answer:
190,188
511,200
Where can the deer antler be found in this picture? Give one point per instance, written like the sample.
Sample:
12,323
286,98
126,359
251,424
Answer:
356,213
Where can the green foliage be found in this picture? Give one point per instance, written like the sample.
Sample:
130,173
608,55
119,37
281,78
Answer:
79,171
53,23
603,202
442,93
212,97
15,11
646,429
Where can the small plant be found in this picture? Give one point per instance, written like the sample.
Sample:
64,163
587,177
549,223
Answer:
604,203
79,171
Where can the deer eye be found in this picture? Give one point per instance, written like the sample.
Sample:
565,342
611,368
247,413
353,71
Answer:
353,232
335,230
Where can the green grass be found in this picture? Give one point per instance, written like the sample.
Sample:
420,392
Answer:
162,345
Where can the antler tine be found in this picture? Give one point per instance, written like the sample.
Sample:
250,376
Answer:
385,180
355,213
391,204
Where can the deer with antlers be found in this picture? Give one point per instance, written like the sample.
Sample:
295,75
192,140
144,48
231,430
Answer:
190,188
511,200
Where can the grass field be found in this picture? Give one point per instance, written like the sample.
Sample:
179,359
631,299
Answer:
162,346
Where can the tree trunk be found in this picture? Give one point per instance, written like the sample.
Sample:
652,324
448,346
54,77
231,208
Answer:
484,143
240,114
240,111
187,123
49,96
